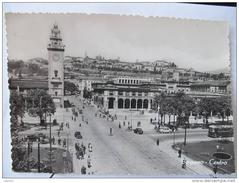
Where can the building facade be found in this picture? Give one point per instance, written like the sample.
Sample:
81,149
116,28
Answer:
137,94
56,67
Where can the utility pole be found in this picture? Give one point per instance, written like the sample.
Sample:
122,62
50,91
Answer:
158,114
185,135
174,136
28,152
38,156
185,125
50,147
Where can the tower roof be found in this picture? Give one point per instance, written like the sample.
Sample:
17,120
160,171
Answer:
55,32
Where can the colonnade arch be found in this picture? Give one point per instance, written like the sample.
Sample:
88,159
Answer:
128,103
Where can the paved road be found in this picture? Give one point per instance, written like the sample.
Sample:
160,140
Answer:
124,153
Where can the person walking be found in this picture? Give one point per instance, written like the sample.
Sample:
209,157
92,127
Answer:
111,132
89,162
157,142
179,152
64,143
59,141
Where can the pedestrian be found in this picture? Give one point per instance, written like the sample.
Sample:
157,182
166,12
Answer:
111,132
89,162
84,148
157,142
179,152
59,141
124,123
64,143
76,147
184,163
119,125
215,169
80,125
58,133
83,170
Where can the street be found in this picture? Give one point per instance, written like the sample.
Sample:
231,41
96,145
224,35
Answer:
124,153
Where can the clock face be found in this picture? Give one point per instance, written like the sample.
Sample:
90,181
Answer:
56,57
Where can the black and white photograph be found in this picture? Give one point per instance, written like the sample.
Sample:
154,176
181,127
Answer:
107,95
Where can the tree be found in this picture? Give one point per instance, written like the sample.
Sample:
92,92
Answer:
160,101
33,68
17,107
87,94
184,106
221,105
40,103
224,106
170,107
70,87
206,107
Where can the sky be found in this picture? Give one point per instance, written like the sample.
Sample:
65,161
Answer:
199,44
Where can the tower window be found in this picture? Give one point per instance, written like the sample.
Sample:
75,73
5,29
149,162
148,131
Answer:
56,73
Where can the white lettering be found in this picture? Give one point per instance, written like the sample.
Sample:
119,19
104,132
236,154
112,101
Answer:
217,162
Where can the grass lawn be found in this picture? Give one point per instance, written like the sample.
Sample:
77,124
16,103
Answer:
203,151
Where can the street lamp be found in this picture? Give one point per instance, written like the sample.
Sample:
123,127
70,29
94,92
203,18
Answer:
158,114
50,147
185,127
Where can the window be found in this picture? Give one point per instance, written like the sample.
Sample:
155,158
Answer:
56,93
120,93
119,80
111,93
56,73
133,93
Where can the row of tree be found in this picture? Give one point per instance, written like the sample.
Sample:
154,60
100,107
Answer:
182,105
36,103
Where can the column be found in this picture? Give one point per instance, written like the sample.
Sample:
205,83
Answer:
116,103
106,102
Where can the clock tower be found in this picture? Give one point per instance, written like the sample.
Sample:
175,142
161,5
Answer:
56,67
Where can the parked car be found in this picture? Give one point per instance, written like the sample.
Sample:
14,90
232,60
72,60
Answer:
164,129
78,135
138,130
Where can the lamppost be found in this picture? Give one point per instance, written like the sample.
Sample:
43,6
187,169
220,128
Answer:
158,114
38,156
185,127
50,148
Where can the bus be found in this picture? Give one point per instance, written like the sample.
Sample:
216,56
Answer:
220,131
